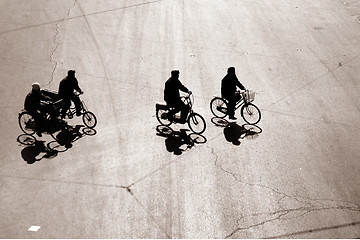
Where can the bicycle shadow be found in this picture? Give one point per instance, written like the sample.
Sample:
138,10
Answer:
234,132
75,133
180,141
37,150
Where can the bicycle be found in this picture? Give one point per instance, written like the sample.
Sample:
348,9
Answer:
249,111
194,120
88,118
56,127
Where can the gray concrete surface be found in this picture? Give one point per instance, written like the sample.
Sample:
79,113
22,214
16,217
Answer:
299,178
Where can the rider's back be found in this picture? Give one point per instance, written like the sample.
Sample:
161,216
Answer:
67,87
228,85
32,101
171,91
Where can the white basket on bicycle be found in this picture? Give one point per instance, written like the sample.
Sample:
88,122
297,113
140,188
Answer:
249,96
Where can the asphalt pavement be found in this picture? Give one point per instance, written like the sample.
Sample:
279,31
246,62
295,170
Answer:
295,174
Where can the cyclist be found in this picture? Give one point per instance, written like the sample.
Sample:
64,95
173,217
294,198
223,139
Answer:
228,91
37,105
66,92
172,96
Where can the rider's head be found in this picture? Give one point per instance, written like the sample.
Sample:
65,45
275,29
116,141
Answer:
35,87
175,73
231,70
71,73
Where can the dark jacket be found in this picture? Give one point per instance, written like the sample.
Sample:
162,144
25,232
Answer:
171,91
67,87
228,86
33,101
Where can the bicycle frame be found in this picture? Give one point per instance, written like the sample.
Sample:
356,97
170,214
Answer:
240,102
72,109
188,102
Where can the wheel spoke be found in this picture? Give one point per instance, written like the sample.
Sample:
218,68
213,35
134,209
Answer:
250,113
89,119
197,123
218,107
161,115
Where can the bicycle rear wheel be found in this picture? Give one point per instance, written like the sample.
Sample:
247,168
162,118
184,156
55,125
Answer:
27,123
218,107
89,119
250,113
162,117
196,123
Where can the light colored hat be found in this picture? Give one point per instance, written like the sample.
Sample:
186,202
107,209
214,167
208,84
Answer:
35,86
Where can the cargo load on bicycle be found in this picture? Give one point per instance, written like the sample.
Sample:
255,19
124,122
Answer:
55,98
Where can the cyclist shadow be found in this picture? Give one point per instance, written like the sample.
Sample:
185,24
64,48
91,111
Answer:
180,141
234,132
75,133
37,150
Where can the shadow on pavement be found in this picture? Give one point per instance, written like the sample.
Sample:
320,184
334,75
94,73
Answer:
234,132
37,150
179,141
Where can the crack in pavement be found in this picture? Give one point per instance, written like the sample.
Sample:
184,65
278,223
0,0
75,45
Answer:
57,43
283,214
246,222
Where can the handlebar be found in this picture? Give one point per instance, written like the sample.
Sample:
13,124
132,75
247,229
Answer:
188,95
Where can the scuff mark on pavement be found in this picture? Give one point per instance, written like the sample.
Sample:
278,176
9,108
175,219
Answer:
128,189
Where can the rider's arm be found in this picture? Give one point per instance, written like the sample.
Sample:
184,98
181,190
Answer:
238,83
76,86
183,88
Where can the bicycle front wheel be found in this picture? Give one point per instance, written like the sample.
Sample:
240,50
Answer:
218,107
196,123
27,123
250,113
89,119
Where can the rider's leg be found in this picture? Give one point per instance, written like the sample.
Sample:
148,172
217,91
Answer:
76,101
237,96
231,108
65,107
172,112
39,122
184,111
50,110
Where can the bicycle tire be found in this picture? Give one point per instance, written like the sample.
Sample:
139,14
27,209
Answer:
89,119
218,107
160,113
58,129
27,123
250,113
26,139
196,123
